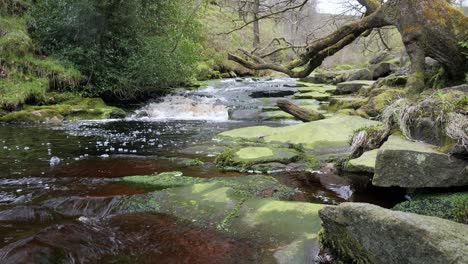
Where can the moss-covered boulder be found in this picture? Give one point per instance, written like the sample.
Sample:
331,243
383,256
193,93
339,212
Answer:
365,233
75,109
245,158
352,86
331,133
346,102
418,165
381,98
48,116
451,206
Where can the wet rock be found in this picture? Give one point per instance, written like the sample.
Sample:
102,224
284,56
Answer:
365,233
244,114
328,133
204,150
117,113
29,214
163,180
313,95
451,206
272,93
132,238
351,86
418,165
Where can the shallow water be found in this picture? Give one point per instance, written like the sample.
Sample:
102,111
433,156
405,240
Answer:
55,181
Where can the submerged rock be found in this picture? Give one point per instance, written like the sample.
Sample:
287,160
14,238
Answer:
365,233
234,205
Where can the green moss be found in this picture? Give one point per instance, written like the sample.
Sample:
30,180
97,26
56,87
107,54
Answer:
192,162
163,180
32,116
245,158
342,244
451,206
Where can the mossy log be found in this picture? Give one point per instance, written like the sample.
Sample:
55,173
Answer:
429,28
298,112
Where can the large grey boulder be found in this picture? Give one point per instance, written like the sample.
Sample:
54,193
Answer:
352,86
365,233
381,70
360,74
418,165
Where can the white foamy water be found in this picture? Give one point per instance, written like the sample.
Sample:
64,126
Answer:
178,107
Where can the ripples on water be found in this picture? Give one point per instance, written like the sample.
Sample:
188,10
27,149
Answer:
54,182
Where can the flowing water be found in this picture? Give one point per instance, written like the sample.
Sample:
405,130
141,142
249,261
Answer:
55,182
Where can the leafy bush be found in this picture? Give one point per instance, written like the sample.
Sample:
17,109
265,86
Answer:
124,48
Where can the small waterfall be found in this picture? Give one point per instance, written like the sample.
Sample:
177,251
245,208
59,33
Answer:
178,107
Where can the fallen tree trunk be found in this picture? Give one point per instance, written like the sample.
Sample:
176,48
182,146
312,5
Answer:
298,112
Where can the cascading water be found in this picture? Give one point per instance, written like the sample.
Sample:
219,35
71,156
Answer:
178,107
218,101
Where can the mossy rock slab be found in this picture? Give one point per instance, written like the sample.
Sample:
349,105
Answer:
245,158
277,115
451,206
163,180
328,133
366,162
418,165
313,95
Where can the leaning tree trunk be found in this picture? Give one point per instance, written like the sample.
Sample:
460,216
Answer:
431,28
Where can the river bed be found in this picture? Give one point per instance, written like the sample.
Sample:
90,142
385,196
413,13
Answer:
41,167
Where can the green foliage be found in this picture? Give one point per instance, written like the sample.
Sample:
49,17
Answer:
124,48
24,77
449,206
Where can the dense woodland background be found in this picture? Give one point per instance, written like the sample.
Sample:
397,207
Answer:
128,50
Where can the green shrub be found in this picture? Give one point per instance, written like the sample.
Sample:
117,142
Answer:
452,206
124,48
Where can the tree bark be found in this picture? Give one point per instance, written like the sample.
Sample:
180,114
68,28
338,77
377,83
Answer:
256,24
429,28
298,112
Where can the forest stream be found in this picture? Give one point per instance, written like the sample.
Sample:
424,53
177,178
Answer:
57,182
